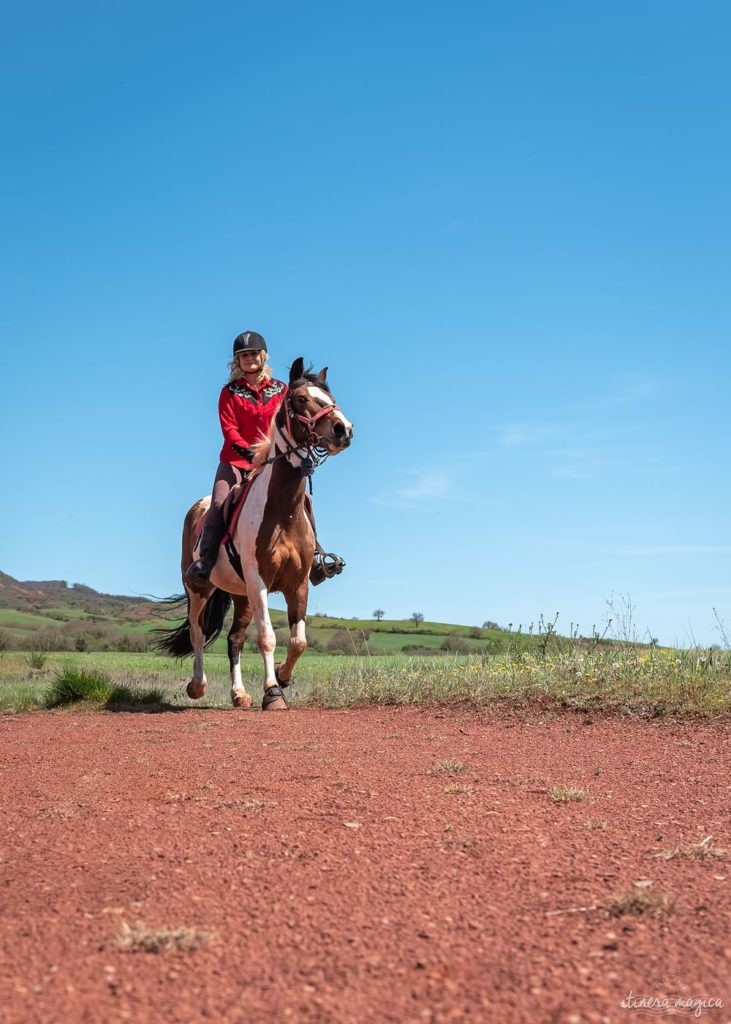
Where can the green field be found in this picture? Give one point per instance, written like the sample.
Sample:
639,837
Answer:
54,629
52,634
627,679
21,622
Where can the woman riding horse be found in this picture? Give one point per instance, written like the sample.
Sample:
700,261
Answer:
270,543
246,406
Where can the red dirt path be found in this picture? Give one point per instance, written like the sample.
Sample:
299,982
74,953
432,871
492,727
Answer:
441,906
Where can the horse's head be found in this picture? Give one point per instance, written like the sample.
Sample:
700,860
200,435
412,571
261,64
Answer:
314,418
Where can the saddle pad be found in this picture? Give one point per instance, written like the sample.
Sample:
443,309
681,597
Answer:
232,511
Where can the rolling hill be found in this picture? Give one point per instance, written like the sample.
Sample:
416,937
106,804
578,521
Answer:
53,615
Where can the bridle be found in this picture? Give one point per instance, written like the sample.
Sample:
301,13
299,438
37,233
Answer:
315,452
313,439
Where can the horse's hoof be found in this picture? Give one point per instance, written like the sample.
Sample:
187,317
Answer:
241,700
195,690
273,700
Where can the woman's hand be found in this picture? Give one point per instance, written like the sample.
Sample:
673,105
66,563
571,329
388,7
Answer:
245,453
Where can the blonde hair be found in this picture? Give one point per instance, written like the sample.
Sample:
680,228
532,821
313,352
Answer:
235,371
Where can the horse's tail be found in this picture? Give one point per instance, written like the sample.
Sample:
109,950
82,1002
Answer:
176,642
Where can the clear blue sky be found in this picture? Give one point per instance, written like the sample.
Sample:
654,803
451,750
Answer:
505,228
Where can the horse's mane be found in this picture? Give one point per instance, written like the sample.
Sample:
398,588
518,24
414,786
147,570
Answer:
261,447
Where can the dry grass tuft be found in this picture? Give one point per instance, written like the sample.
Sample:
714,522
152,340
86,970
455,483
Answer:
703,850
245,805
448,768
158,940
55,813
597,825
641,903
565,794
456,787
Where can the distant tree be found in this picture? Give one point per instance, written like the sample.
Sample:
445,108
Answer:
378,614
490,625
417,618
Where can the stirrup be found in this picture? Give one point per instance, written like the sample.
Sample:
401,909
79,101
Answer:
325,565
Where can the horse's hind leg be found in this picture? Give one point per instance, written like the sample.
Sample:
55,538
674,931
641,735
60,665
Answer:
242,617
296,609
196,611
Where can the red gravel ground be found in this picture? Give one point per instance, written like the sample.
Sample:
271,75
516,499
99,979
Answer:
343,876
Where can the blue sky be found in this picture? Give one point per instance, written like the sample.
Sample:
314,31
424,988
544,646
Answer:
504,227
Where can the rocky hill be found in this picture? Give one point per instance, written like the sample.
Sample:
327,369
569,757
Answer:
41,595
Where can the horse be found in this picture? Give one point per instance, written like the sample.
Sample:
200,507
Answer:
271,545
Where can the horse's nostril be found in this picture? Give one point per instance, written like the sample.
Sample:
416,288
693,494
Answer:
339,429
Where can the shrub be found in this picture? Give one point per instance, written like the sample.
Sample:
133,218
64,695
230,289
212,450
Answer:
349,641
138,643
455,644
73,685
52,640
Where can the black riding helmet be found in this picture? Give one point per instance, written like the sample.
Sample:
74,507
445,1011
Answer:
249,341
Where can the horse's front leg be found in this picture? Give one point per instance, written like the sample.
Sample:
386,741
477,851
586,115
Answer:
241,619
266,642
296,610
198,685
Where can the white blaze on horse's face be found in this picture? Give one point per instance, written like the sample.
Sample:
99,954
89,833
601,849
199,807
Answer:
334,429
319,395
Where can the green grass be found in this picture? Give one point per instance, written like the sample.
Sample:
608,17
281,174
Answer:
66,614
17,620
61,625
638,680
73,685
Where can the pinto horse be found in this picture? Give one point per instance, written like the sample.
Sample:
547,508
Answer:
274,538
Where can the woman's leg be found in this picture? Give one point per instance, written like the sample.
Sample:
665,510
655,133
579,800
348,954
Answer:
214,526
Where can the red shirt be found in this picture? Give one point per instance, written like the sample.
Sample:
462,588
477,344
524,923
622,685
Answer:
246,412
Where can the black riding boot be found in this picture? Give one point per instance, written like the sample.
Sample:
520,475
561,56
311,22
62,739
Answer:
213,531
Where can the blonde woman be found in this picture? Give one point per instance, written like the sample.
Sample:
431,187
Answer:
246,407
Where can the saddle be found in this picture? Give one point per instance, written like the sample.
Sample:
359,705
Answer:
325,564
231,511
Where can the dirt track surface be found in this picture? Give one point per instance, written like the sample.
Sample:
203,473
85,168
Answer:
344,877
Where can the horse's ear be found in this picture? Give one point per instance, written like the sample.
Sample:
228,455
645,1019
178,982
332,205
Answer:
322,375
296,370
